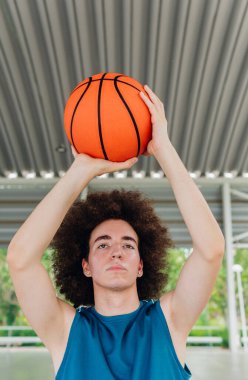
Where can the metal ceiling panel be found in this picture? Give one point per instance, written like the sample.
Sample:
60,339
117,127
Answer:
193,54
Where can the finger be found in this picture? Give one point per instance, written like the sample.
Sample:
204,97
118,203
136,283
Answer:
73,151
131,161
150,92
148,102
154,108
125,164
152,104
152,95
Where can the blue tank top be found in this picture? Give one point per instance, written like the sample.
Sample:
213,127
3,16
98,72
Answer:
130,346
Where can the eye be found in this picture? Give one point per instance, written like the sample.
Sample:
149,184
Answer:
130,246
126,245
101,245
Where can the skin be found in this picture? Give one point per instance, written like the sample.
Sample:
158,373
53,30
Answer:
115,292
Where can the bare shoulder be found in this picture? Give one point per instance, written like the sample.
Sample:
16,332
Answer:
68,310
57,348
165,303
166,306
179,339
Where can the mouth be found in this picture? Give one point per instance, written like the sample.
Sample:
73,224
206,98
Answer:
116,268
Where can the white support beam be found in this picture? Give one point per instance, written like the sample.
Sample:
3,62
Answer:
240,236
106,180
240,245
234,341
240,194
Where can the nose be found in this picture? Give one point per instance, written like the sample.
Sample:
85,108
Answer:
118,254
116,251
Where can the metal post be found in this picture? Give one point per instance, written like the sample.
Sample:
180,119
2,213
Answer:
238,269
234,341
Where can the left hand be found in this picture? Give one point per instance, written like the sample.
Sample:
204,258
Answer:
159,122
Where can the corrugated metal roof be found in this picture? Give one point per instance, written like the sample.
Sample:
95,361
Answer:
193,54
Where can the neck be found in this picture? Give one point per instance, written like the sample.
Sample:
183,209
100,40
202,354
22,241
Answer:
116,303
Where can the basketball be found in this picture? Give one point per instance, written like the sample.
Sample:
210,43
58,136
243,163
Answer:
105,117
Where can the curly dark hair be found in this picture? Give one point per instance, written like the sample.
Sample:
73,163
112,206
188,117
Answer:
71,243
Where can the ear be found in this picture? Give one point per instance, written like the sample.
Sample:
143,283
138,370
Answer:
85,264
86,268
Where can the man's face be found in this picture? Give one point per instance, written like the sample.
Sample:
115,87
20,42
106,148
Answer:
113,242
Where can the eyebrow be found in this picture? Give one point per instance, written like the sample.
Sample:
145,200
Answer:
107,237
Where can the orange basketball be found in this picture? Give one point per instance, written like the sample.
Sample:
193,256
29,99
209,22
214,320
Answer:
105,117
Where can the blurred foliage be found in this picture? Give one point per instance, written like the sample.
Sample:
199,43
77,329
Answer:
214,314
241,258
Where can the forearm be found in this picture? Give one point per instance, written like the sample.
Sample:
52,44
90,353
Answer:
34,236
205,232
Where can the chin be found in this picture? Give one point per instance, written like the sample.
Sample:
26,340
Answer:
117,285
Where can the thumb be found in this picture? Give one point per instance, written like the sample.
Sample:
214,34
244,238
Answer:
116,166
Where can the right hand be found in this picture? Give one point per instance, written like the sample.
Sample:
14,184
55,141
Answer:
98,166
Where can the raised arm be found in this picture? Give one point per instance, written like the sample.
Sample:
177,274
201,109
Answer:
34,289
200,271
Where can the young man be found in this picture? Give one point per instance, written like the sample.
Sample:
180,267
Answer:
123,333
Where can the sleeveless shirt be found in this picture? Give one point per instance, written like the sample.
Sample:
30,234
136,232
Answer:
131,346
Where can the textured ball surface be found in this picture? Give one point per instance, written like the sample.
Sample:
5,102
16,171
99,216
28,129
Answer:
105,117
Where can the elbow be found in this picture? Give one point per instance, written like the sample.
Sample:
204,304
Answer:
11,257
218,246
212,252
9,254
218,251
222,247
14,262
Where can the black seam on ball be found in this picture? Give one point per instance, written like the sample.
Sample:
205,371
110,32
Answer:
79,100
97,80
99,116
130,113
